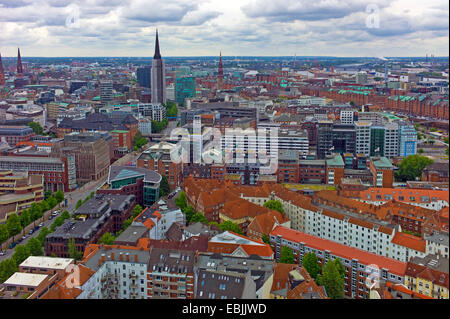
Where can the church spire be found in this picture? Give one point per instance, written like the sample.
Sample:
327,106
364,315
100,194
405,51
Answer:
19,62
157,53
2,73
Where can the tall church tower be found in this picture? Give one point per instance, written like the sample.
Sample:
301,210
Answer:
158,80
2,72
220,75
19,62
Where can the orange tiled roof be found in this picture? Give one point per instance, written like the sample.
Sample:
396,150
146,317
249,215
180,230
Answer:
264,223
307,286
409,241
343,251
396,193
281,275
405,290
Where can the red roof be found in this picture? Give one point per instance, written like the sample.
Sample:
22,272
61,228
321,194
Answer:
409,241
343,251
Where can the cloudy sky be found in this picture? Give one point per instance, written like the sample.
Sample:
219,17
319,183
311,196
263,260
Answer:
236,27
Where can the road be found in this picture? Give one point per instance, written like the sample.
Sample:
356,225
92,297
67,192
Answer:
72,199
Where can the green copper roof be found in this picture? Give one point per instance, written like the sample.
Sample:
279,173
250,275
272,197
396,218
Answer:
335,161
381,162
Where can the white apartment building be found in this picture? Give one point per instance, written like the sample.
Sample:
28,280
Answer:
347,116
391,140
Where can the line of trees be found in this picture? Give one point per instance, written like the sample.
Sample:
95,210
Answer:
159,126
16,223
139,141
34,247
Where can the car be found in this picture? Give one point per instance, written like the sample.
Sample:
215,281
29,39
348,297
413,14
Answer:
2,253
12,245
50,217
31,231
24,237
55,213
40,225
19,240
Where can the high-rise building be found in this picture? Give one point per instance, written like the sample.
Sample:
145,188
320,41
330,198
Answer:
106,92
362,137
344,138
361,77
158,81
184,88
220,74
143,75
377,134
391,139
2,72
407,139
19,62
324,138
347,116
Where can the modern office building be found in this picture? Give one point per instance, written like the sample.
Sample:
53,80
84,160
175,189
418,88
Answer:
15,134
324,138
391,140
106,92
344,138
408,139
362,136
143,75
185,87
377,136
347,116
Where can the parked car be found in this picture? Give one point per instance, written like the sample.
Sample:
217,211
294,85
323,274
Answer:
31,231
14,244
55,213
50,217
40,225
2,253
24,237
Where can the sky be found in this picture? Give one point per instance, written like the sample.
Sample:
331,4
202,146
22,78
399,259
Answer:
374,28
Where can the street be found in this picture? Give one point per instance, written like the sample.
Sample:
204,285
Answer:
72,199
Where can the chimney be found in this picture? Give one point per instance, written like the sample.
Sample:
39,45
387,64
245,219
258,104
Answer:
101,260
135,258
120,256
112,256
127,256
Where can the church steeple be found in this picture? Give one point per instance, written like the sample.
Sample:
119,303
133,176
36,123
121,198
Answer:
2,73
19,62
220,74
157,53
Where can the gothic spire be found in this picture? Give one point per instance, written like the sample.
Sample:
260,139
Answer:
157,53
19,62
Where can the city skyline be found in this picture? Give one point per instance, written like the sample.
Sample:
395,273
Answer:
237,28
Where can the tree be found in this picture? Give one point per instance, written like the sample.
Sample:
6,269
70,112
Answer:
7,268
286,255
275,205
198,217
43,234
4,233
139,140
65,215
230,226
333,280
181,200
412,167
420,151
171,109
52,202
21,253
136,211
107,239
36,127
127,223
13,224
73,251
79,203
311,264
59,196
35,247
265,238
164,187
189,211
47,194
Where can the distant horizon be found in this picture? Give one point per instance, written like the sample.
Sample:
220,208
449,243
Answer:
233,56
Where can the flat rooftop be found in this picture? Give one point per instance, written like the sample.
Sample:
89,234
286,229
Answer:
46,262
25,279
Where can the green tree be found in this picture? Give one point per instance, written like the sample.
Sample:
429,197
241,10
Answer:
4,234
7,268
73,251
59,196
333,280
36,127
43,234
275,205
47,194
65,215
136,211
172,110
265,238
25,218
52,202
230,226
311,264
420,151
127,223
13,224
412,167
286,255
181,200
139,140
79,203
164,187
198,217
35,247
21,253
107,239
189,211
